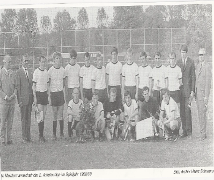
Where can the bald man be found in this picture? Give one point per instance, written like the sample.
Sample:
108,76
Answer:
7,100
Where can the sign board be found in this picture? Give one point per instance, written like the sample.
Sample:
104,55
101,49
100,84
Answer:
144,129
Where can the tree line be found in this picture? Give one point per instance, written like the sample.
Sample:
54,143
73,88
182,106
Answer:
195,18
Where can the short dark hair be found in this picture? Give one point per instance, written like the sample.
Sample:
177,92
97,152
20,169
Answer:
114,49
143,53
127,93
172,54
57,54
158,54
184,48
145,88
87,54
165,91
41,57
73,53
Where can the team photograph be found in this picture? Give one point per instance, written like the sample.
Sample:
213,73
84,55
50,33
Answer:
112,87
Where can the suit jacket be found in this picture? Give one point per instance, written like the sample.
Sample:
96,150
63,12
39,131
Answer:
203,81
24,87
188,76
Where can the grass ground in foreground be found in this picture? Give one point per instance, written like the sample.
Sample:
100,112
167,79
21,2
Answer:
61,155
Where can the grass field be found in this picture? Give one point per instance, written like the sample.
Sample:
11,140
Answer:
62,155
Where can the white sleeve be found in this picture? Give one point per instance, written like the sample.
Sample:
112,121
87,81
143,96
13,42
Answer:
123,70
66,71
136,70
81,72
93,76
64,75
180,73
107,69
35,76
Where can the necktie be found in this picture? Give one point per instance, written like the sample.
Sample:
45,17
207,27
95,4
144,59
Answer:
26,72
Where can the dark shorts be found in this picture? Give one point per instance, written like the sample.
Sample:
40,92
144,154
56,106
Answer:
140,95
42,97
57,98
102,94
118,98
132,90
175,95
87,93
157,95
69,95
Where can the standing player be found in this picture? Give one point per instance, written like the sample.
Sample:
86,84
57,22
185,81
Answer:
157,81
144,75
40,93
174,78
98,79
113,73
85,79
130,76
72,71
57,82
187,90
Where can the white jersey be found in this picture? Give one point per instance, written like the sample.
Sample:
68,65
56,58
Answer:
144,75
114,71
99,76
130,72
86,74
129,110
76,108
56,76
158,75
73,73
170,109
40,77
173,74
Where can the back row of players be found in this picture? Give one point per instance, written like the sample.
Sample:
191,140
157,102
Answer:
104,86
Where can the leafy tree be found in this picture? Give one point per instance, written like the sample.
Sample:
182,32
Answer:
46,24
9,18
199,27
128,17
102,18
176,16
63,21
155,16
82,19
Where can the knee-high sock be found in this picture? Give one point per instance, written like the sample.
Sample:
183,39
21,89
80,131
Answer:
54,127
42,128
61,124
69,129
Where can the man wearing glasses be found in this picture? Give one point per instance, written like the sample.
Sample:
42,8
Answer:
187,90
72,72
202,86
25,97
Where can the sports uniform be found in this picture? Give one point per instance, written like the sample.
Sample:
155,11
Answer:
144,75
130,72
114,71
99,76
72,72
86,74
158,75
174,74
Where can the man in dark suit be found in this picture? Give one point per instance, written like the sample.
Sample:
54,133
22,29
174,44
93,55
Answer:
203,84
25,97
187,90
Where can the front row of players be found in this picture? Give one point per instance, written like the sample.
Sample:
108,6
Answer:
112,120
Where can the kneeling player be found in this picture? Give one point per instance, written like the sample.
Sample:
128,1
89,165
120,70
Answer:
98,110
172,121
75,106
131,114
113,114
